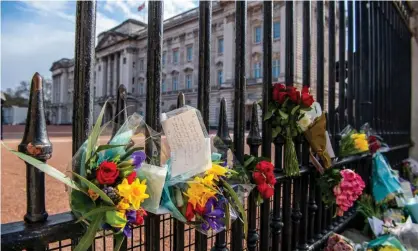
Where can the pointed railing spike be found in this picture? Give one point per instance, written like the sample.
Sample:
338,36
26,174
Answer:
36,143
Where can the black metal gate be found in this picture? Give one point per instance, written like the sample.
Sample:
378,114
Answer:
377,70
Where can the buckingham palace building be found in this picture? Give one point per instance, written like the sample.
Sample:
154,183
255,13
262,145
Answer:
121,59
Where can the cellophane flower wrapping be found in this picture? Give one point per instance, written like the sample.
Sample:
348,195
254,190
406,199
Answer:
407,233
376,143
126,182
385,243
385,181
204,187
338,242
287,113
352,142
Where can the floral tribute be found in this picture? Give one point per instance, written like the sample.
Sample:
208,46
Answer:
341,187
262,172
287,115
105,192
352,142
208,201
338,242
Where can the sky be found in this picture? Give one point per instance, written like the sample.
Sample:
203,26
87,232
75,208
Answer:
34,34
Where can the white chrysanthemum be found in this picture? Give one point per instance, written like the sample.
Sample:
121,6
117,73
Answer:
304,122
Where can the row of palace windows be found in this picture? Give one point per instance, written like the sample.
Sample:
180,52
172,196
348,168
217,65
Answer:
189,53
258,32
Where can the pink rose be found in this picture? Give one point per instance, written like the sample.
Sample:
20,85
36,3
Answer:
348,174
337,190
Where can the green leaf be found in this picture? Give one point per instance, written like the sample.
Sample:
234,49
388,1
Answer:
51,171
106,147
239,205
100,209
81,203
294,110
88,237
94,135
227,217
248,161
95,189
283,115
118,239
275,132
113,219
268,115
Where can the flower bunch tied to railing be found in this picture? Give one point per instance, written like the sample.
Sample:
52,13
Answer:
341,187
352,142
107,184
287,116
204,187
262,172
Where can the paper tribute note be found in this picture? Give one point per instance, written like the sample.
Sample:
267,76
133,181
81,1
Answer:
190,150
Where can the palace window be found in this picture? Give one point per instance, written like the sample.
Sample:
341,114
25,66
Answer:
175,56
189,54
175,82
220,45
276,68
257,70
257,34
188,81
276,30
220,77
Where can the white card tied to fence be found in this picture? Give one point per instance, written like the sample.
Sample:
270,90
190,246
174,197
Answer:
190,150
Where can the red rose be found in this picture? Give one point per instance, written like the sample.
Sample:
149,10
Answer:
107,173
131,177
140,217
271,178
259,178
307,99
264,166
268,192
265,190
189,212
200,210
279,94
305,89
262,187
294,94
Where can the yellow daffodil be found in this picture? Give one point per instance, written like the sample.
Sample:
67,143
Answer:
207,180
388,248
198,193
134,193
217,171
123,204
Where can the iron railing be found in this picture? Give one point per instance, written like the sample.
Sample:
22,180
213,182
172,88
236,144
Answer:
376,90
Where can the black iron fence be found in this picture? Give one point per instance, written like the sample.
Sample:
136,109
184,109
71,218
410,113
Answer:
374,83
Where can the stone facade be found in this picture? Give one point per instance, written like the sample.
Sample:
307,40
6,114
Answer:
121,55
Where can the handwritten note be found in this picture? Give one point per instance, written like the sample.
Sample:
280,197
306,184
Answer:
190,150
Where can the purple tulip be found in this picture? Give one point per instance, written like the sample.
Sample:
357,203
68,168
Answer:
138,158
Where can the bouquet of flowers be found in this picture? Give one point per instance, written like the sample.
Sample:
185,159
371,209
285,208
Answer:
385,243
374,140
262,172
352,142
203,188
341,188
385,181
105,189
287,115
338,242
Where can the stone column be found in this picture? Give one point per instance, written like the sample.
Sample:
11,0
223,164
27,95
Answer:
103,82
109,74
115,73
